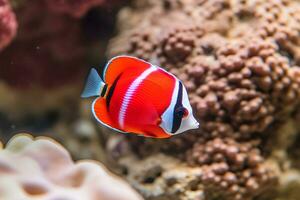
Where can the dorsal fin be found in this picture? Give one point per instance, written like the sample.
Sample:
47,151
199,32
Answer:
119,64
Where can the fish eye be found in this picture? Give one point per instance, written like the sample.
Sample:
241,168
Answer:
186,113
182,112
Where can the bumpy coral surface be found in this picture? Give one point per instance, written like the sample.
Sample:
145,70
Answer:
236,169
42,169
8,24
240,63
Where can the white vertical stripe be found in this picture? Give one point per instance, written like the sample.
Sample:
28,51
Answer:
130,92
167,116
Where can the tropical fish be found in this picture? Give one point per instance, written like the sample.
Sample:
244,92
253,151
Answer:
134,96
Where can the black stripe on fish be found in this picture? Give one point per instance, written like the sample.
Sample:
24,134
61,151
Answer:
103,92
111,91
178,110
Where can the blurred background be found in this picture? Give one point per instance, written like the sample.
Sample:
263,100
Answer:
46,51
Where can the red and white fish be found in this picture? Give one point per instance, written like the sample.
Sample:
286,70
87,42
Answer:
138,97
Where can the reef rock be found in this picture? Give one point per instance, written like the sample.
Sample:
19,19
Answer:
240,63
162,177
42,169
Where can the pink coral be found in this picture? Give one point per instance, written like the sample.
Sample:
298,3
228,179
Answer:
8,24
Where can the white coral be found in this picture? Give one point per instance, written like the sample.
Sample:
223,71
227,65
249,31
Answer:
41,169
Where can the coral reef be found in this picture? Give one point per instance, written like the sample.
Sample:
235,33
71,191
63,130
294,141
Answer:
236,169
240,63
239,60
8,24
163,177
41,168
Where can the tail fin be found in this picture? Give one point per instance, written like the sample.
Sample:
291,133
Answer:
94,85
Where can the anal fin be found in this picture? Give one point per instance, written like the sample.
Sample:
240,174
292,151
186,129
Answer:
100,112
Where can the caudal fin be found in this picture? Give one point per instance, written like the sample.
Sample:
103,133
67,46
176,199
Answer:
94,85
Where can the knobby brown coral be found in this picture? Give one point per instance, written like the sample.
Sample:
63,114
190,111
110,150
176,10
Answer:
240,62
8,24
42,169
236,169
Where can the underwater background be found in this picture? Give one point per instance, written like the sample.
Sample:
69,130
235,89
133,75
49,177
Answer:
239,60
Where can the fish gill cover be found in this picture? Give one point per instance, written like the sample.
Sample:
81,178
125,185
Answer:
240,63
